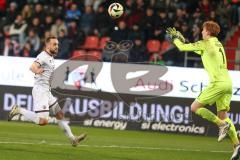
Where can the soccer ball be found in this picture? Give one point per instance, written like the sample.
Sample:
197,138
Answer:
115,10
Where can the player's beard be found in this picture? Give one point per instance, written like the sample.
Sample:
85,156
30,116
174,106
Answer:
54,52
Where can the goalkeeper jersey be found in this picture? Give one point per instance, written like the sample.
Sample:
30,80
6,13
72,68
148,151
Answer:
212,55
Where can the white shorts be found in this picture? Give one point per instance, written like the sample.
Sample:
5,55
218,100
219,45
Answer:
44,115
42,99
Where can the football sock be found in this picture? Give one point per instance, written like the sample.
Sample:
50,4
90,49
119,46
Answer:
232,132
207,114
29,115
65,127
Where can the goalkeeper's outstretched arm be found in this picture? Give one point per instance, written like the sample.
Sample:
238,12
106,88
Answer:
179,40
197,47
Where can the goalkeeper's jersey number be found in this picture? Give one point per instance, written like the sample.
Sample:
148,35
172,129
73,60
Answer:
221,51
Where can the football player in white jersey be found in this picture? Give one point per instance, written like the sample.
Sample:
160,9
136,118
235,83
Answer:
44,102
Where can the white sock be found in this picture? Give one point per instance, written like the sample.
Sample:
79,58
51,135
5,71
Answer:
65,127
29,115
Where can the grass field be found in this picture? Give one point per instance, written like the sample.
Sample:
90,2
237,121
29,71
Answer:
26,141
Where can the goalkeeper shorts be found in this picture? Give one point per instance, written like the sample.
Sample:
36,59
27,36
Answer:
217,92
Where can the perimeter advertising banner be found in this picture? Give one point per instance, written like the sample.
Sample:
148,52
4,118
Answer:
118,96
135,79
108,110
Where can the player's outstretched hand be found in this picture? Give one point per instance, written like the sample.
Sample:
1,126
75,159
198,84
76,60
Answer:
172,33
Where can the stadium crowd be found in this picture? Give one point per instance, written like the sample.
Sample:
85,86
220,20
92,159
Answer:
25,24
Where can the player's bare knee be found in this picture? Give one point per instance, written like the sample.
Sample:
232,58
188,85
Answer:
194,107
222,115
43,122
59,115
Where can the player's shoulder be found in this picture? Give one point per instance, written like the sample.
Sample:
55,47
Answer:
43,55
199,43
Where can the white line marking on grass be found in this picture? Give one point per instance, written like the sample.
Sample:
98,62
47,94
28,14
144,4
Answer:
116,146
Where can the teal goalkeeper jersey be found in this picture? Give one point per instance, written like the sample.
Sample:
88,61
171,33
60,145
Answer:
212,55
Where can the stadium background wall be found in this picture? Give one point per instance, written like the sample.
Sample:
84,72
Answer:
108,110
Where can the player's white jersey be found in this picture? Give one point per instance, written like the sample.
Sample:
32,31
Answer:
47,63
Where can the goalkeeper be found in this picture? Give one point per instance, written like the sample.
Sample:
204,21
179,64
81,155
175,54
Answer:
219,90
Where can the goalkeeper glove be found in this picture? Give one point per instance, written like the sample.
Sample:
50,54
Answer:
172,33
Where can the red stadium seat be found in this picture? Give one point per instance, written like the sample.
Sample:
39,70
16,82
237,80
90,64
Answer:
165,46
86,56
103,42
153,46
78,54
91,42
94,56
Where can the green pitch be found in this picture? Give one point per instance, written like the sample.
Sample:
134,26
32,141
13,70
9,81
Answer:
26,141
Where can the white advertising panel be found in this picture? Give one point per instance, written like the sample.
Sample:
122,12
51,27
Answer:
186,82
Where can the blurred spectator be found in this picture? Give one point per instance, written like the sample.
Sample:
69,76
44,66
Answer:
48,23
54,9
148,22
64,46
64,3
139,51
136,32
128,7
87,20
36,25
27,13
76,35
186,31
173,58
33,39
43,38
156,59
73,13
6,31
120,58
197,17
157,4
94,3
58,26
213,17
161,24
158,34
88,2
11,48
205,7
137,13
103,23
3,7
142,18
2,39
27,51
181,15
162,20
17,29
196,34
11,13
39,12
7,47
120,32
228,13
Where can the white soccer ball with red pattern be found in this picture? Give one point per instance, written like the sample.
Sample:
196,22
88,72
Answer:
115,10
